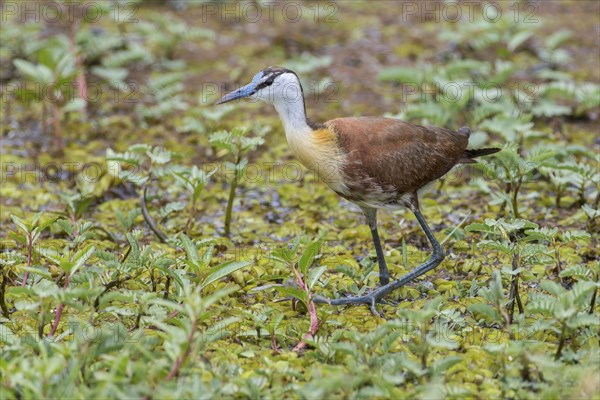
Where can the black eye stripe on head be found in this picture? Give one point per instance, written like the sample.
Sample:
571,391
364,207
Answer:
271,74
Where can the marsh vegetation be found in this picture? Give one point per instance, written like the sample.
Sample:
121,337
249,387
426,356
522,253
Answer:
156,246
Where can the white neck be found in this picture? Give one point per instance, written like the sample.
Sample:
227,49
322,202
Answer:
293,116
297,132
286,95
317,150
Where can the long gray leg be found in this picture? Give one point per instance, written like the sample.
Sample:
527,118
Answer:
375,296
384,275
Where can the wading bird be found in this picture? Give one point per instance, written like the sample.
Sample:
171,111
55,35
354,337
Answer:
374,162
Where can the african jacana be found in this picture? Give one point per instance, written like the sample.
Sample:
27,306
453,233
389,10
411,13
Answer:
374,162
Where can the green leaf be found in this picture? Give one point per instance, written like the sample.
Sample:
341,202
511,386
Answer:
314,275
543,305
574,236
74,105
36,73
283,255
519,39
171,207
478,227
38,271
557,38
159,155
190,250
167,271
81,257
484,309
581,292
577,271
510,271
51,254
308,256
20,223
433,304
27,69
223,270
583,320
114,76
552,287
47,223
209,244
440,366
289,291
402,75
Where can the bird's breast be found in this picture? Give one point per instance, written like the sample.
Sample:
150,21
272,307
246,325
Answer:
318,151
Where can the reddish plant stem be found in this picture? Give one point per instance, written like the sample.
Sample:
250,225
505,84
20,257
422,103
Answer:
81,81
274,344
25,278
181,359
312,311
59,309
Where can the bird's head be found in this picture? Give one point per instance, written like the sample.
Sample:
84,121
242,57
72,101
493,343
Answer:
273,85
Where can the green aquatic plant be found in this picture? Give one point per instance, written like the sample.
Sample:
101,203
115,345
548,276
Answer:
54,271
142,164
431,329
236,144
162,97
164,33
512,171
496,304
193,180
54,73
302,281
28,235
199,265
507,238
556,241
138,318
567,309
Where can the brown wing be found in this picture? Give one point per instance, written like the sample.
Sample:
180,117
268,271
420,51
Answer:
386,155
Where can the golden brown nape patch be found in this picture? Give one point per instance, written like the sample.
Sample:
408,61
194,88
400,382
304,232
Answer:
324,136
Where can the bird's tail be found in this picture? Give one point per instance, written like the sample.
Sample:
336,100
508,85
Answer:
469,155
481,152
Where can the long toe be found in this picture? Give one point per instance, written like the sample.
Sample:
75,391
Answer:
368,300
389,302
373,308
320,299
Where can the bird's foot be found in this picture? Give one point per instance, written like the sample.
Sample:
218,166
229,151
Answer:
369,299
